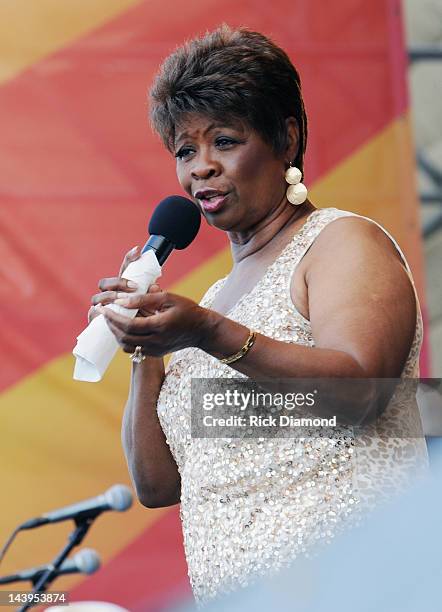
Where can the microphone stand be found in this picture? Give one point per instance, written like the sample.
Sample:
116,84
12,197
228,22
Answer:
75,538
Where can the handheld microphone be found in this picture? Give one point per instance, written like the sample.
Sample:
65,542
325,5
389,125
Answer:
174,225
117,498
86,561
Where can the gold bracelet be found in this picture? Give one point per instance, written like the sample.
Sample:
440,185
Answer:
243,351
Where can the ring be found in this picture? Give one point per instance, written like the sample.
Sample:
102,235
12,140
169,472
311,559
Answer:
138,356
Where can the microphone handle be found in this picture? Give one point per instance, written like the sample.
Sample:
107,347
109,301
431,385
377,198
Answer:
86,509
161,246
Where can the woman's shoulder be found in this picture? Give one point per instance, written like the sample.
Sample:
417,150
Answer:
353,231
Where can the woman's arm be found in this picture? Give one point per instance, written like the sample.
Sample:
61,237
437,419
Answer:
152,468
151,465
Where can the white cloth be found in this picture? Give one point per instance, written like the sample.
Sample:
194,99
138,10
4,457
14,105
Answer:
96,345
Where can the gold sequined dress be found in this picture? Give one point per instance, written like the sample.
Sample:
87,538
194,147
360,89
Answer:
250,506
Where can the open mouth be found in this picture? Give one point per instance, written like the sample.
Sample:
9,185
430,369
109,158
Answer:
211,202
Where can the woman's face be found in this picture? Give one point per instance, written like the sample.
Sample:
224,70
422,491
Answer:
229,170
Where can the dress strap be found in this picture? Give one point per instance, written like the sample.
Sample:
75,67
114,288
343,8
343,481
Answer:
315,224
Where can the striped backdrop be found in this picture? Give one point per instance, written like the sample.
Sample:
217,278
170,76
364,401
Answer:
80,175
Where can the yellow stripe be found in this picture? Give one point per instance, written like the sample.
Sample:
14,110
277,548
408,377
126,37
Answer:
31,29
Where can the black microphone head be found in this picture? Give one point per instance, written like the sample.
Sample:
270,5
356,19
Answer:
176,218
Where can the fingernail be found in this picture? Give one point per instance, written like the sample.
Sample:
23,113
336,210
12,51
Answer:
122,294
100,308
132,285
133,250
122,302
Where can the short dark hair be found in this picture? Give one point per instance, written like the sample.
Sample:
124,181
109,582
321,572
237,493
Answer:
236,73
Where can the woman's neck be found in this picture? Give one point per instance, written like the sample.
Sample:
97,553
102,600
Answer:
285,217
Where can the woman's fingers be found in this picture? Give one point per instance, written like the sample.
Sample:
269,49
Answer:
131,332
117,288
137,326
112,289
92,313
175,322
117,284
129,341
144,311
130,256
121,292
150,302
107,297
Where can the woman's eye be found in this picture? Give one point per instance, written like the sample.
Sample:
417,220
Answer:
224,142
183,152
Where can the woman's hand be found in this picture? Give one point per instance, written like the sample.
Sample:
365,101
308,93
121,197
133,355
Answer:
169,323
111,287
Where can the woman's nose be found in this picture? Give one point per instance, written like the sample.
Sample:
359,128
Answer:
205,168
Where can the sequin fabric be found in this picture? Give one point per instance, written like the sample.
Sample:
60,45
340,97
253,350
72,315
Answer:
251,506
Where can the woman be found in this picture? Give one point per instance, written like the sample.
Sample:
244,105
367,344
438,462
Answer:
328,294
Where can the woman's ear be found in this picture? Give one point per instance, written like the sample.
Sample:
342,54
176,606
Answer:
292,138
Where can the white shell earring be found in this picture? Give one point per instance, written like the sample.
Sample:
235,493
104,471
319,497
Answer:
297,192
